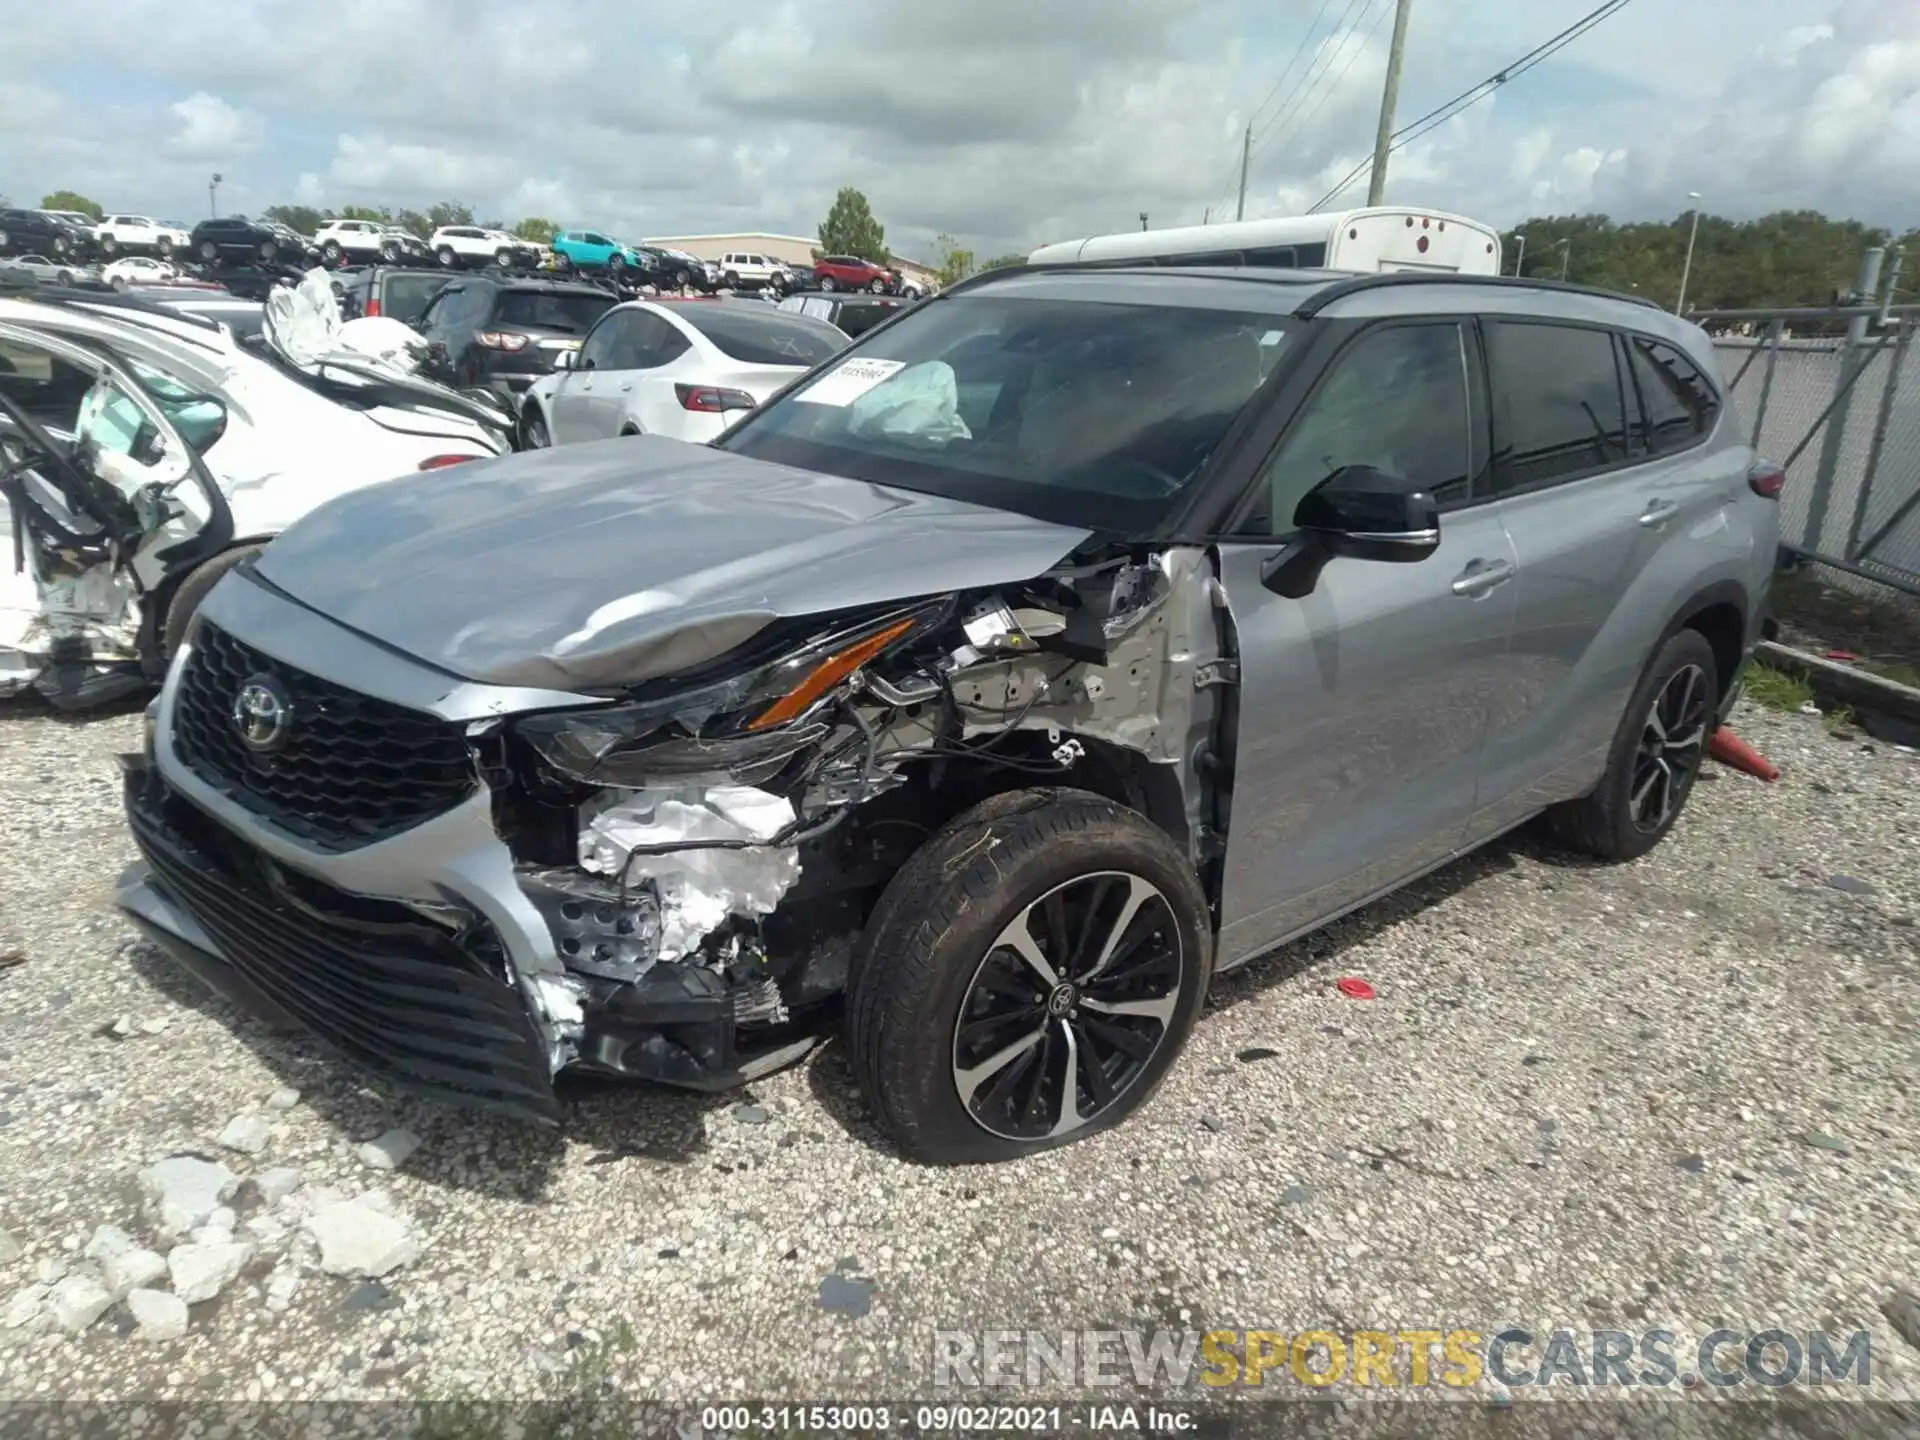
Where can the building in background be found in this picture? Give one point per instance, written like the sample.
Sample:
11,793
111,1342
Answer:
796,250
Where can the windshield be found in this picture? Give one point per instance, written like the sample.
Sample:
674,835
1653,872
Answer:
764,336
1083,413
568,314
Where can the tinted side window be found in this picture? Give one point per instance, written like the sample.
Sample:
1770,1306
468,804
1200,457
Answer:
656,342
1678,401
1559,396
1396,399
605,347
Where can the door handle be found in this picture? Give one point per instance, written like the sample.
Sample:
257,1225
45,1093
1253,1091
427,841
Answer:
626,389
1658,512
1480,576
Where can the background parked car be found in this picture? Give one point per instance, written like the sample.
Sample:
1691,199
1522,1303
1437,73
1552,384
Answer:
750,270
488,332
139,235
359,239
852,314
850,272
594,250
690,272
236,238
136,270
41,270
682,368
32,232
455,246
399,292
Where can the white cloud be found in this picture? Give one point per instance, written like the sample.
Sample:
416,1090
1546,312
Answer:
1002,122
208,128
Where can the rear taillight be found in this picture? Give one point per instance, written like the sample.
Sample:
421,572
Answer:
712,399
373,306
1767,479
501,340
441,462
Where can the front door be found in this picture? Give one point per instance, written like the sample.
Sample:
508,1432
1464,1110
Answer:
1362,707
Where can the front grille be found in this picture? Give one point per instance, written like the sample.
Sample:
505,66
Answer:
353,769
435,1013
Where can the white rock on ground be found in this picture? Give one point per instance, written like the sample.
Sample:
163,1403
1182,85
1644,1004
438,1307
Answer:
107,1241
356,1240
200,1272
388,1151
276,1184
282,1286
133,1269
265,1229
159,1315
210,1235
283,1099
182,1191
78,1301
247,1133
24,1306
10,1250
49,1269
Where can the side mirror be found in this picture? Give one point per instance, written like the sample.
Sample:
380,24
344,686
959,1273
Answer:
1358,512
564,359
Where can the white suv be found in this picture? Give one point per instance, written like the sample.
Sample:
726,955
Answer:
139,233
457,245
750,270
362,239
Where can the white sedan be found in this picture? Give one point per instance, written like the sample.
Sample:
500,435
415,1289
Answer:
682,368
137,270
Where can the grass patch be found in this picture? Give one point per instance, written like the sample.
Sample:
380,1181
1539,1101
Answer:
1776,689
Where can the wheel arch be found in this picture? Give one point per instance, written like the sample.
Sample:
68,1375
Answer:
157,603
1719,612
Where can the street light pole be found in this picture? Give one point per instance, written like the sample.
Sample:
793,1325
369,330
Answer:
1143,219
1566,254
213,188
1520,258
1686,269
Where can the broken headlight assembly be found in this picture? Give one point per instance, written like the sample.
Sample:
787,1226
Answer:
746,726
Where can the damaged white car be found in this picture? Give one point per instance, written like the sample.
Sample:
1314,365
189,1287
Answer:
1073,634
144,452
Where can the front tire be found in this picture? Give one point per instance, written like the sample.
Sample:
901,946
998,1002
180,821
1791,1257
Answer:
267,251
829,284
533,430
1656,756
1028,978
209,252
109,247
186,600
165,248
330,252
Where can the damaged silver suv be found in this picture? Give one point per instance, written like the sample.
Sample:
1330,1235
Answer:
1073,637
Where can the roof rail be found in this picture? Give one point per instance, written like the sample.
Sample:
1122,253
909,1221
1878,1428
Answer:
1252,274
1390,279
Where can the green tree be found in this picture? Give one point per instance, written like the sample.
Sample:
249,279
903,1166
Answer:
366,212
533,228
953,263
70,200
850,229
447,212
303,218
1001,262
418,224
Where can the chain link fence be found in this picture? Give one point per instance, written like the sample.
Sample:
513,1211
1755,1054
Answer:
1842,413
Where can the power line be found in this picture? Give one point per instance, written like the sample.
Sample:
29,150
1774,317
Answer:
1353,56
1310,82
1294,59
1438,116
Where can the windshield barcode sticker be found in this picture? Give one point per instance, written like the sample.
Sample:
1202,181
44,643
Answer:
849,382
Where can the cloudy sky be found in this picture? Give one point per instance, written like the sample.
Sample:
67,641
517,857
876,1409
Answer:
1004,122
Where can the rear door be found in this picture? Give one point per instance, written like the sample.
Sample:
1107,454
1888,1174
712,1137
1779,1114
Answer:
1362,707
1587,508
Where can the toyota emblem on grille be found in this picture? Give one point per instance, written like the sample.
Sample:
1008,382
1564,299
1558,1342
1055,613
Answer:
262,714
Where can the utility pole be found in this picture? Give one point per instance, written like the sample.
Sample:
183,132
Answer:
1207,218
1566,255
1686,267
1389,101
1246,150
1520,259
213,189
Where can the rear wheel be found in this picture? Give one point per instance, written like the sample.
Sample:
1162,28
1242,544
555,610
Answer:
731,280
108,245
193,590
1029,977
166,248
1656,756
828,283
533,430
879,287
330,252
267,251
209,251
503,258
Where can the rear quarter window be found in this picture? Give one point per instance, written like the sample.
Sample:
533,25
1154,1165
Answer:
765,336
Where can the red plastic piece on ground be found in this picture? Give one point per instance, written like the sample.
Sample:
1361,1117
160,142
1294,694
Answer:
1729,749
1354,989
1846,655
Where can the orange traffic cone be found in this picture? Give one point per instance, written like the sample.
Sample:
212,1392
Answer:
1729,749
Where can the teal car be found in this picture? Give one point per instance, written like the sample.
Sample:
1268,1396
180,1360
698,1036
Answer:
594,250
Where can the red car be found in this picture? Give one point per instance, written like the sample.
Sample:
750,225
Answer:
849,272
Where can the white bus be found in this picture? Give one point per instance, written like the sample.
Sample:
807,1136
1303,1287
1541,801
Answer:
1388,237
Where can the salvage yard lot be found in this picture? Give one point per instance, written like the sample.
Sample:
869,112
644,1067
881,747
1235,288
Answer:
1676,1092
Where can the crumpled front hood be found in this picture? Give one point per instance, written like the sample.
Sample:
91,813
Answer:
595,566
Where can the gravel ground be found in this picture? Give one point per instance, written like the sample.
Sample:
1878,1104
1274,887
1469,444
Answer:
1582,1098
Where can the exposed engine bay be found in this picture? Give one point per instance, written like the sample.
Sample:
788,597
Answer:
711,850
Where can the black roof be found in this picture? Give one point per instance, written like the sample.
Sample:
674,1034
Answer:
1316,288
